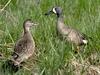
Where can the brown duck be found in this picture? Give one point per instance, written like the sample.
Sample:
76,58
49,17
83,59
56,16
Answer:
68,33
25,46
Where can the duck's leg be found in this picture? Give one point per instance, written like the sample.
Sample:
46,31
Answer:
72,46
84,47
78,49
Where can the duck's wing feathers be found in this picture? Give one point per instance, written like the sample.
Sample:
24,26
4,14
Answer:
22,46
81,35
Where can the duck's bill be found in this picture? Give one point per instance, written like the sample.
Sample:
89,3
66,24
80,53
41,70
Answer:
48,13
35,24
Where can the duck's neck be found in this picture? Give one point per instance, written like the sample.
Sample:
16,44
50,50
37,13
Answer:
26,30
27,34
60,21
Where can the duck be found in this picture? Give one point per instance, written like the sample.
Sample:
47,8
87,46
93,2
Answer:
67,32
25,46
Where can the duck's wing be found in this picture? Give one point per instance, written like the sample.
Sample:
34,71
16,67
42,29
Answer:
77,32
21,47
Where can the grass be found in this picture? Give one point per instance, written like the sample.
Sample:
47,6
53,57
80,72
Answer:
55,56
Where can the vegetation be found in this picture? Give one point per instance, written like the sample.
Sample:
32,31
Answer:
54,56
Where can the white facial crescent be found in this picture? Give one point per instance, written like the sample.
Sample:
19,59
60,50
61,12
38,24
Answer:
54,10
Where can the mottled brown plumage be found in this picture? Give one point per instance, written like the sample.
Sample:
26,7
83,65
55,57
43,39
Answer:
25,46
68,33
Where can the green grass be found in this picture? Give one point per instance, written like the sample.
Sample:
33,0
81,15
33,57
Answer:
54,55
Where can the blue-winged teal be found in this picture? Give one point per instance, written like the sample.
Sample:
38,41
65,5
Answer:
69,33
25,46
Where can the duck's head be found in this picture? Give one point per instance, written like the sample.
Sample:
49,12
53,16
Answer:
55,10
28,24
